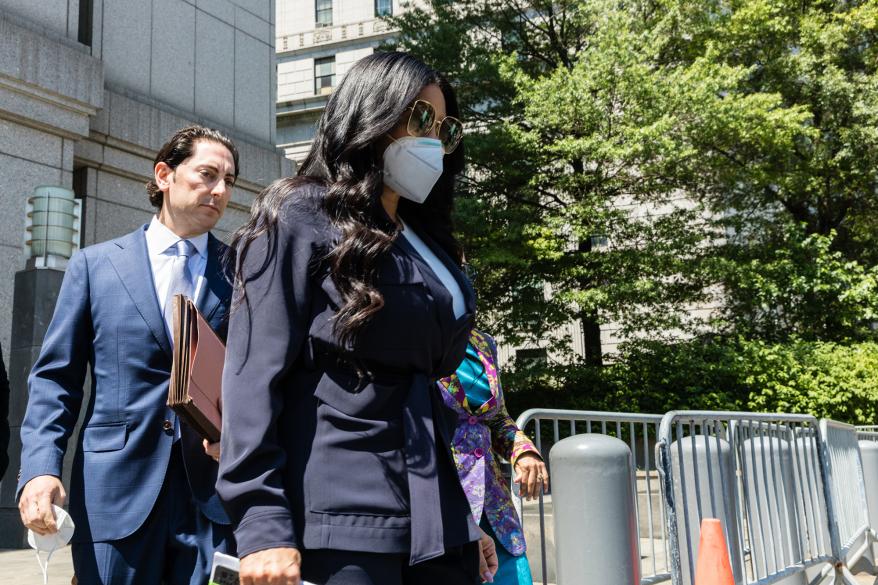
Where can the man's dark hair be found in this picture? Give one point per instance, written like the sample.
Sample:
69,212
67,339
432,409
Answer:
179,148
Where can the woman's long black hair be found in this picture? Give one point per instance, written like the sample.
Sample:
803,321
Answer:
346,157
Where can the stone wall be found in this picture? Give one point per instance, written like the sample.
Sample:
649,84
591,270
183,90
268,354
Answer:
50,86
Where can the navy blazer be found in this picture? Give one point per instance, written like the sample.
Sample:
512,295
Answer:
315,454
108,317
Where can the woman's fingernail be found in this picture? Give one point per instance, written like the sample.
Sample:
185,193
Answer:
488,577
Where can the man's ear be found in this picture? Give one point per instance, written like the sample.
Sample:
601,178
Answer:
163,176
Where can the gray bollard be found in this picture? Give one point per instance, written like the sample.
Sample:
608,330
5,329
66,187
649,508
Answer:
595,522
776,541
707,475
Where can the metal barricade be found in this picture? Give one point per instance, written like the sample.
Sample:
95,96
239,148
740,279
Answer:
760,474
867,438
867,433
639,432
849,526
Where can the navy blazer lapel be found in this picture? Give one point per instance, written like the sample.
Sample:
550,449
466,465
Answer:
439,289
131,262
216,286
431,281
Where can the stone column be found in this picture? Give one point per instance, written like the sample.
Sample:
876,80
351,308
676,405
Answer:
36,290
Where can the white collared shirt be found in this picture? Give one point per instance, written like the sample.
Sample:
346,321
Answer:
160,242
457,301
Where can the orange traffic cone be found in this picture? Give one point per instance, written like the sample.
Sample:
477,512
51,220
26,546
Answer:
713,566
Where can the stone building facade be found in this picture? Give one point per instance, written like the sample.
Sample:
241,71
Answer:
317,42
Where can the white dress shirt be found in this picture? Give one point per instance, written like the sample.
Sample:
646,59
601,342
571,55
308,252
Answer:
160,242
438,268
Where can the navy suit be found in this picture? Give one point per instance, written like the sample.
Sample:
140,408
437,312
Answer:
317,454
108,317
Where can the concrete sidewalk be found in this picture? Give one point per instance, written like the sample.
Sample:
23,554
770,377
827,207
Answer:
20,567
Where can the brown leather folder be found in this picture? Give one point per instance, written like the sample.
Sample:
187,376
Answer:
197,371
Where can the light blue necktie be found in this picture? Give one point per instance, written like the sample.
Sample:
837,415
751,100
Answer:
181,279
181,284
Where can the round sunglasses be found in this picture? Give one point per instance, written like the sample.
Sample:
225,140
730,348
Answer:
422,121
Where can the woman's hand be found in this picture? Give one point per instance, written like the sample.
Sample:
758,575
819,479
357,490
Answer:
488,561
273,566
212,449
530,473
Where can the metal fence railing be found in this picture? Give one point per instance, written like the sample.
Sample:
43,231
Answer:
867,432
760,474
639,432
867,439
848,512
790,492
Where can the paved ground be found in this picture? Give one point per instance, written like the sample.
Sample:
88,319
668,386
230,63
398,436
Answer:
19,567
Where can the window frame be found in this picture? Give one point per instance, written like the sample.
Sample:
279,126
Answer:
317,78
318,10
531,356
388,13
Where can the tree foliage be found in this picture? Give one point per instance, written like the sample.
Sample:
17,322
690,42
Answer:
824,379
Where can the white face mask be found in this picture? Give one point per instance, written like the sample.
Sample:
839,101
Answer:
412,166
49,543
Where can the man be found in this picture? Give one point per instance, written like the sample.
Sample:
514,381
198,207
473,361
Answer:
142,488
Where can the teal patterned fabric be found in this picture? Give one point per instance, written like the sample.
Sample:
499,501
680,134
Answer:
471,374
511,569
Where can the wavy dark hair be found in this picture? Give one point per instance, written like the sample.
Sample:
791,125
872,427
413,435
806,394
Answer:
346,157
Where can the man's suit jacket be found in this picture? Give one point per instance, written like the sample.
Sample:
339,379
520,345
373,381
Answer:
108,317
4,417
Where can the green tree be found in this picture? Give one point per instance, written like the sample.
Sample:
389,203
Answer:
818,59
801,290
797,198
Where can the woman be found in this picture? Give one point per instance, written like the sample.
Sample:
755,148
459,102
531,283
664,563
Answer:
350,302
485,431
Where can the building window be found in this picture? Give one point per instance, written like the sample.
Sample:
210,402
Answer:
324,12
594,243
324,75
85,22
383,7
530,357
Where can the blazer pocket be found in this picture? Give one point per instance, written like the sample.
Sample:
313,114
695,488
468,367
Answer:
104,437
344,392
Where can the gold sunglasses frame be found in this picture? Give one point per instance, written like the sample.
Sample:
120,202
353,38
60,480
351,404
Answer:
436,124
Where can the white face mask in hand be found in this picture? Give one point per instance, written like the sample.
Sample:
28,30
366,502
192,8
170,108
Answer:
49,543
412,166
